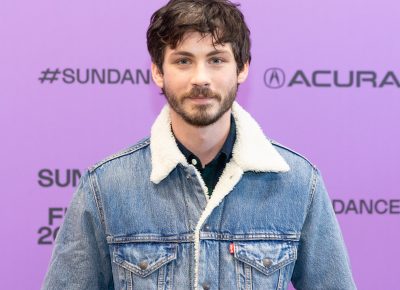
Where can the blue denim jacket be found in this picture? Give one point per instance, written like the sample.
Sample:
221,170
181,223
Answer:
142,219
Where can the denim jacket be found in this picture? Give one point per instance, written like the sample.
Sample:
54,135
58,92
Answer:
142,219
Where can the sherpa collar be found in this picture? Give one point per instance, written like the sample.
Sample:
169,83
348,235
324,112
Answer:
252,150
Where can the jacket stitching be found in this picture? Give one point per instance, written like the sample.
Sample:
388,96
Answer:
129,151
290,150
183,186
313,188
96,196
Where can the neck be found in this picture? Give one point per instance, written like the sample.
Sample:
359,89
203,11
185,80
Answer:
204,142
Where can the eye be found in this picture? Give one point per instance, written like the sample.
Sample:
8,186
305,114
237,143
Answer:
216,60
183,61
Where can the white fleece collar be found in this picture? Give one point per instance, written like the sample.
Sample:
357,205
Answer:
251,152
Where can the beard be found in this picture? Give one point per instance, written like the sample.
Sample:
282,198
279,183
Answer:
201,115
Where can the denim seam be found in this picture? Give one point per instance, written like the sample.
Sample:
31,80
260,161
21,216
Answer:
128,275
219,265
237,272
204,236
290,150
128,151
313,188
220,244
311,196
248,276
99,206
176,239
170,275
222,205
280,278
249,237
192,265
160,278
183,185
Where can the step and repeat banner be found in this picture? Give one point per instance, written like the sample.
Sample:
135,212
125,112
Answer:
75,87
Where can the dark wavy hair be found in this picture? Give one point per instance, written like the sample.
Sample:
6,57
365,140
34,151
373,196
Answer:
220,18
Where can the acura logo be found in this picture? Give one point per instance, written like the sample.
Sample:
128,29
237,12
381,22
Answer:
274,78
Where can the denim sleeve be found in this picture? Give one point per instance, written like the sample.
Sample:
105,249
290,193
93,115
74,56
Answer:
80,258
322,261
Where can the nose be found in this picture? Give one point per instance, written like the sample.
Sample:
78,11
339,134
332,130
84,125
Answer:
200,76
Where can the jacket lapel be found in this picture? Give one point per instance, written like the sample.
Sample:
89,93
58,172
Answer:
252,150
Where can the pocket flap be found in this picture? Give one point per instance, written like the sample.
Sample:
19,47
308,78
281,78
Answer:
266,256
144,258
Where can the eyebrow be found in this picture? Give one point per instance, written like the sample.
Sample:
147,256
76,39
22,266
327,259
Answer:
186,53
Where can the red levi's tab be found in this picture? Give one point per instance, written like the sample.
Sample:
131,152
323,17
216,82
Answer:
231,248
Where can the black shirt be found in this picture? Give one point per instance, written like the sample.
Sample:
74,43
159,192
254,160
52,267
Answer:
213,170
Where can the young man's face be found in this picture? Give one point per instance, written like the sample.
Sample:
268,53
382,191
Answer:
199,80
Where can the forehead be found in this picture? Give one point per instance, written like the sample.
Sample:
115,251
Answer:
196,43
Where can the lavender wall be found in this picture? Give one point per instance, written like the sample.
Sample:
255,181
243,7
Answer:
348,127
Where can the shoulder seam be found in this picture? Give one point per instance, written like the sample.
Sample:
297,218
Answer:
96,197
314,177
311,194
128,151
294,152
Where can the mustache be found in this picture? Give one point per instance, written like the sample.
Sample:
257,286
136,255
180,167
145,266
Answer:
203,91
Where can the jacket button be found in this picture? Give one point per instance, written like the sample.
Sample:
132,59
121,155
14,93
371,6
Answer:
143,265
267,262
206,286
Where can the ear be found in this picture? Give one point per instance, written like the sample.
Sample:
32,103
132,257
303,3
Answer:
158,77
243,73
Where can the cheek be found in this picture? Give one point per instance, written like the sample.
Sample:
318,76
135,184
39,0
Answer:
226,82
226,78
175,81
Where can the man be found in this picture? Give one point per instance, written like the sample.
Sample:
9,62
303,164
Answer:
207,202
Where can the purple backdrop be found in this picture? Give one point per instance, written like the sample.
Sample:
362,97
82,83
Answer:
324,81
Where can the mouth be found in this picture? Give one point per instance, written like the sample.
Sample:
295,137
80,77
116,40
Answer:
200,99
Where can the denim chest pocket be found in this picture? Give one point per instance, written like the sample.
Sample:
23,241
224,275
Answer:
145,265
264,264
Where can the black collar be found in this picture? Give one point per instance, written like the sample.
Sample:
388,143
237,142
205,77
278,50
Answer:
225,150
